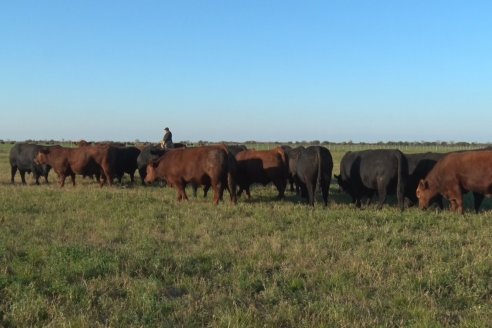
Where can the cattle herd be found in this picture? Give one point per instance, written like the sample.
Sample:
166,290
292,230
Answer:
425,178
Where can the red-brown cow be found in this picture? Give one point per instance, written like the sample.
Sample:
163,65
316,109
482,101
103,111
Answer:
201,166
455,174
70,161
262,166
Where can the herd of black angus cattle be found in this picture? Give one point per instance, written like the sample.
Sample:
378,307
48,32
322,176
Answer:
424,178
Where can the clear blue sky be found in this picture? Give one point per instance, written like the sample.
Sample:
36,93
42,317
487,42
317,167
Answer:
246,70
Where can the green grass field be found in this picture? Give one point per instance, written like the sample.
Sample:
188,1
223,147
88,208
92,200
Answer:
133,256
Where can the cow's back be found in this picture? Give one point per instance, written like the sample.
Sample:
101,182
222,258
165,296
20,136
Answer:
191,163
382,164
259,166
472,170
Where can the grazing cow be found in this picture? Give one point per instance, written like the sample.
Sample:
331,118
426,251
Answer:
210,165
313,168
363,173
123,160
455,174
70,161
419,165
256,166
22,157
148,154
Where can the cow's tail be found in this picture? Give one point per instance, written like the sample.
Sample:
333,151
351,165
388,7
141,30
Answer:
231,174
320,169
402,173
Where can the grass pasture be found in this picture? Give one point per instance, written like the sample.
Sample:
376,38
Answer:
133,256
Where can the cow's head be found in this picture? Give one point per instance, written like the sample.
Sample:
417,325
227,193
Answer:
151,175
42,156
342,183
424,194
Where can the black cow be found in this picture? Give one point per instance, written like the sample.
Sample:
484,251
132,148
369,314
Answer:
363,173
123,160
147,154
313,168
22,158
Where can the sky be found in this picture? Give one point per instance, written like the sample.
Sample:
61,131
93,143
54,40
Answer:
364,71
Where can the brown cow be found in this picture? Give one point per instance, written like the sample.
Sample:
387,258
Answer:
455,174
262,166
203,166
70,161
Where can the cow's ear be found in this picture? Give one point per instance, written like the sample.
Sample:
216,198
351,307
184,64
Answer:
423,184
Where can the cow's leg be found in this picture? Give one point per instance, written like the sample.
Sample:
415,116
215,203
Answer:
36,177
180,185
358,202
13,170
142,172
291,183
455,197
185,197
310,191
218,190
477,200
62,180
281,185
248,193
205,191
382,193
222,186
132,177
303,190
72,176
23,176
325,188
457,204
106,171
194,187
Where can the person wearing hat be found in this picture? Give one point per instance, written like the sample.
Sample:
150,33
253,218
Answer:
167,140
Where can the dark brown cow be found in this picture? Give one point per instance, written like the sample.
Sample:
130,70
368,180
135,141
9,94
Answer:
70,161
201,166
455,174
262,166
123,160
